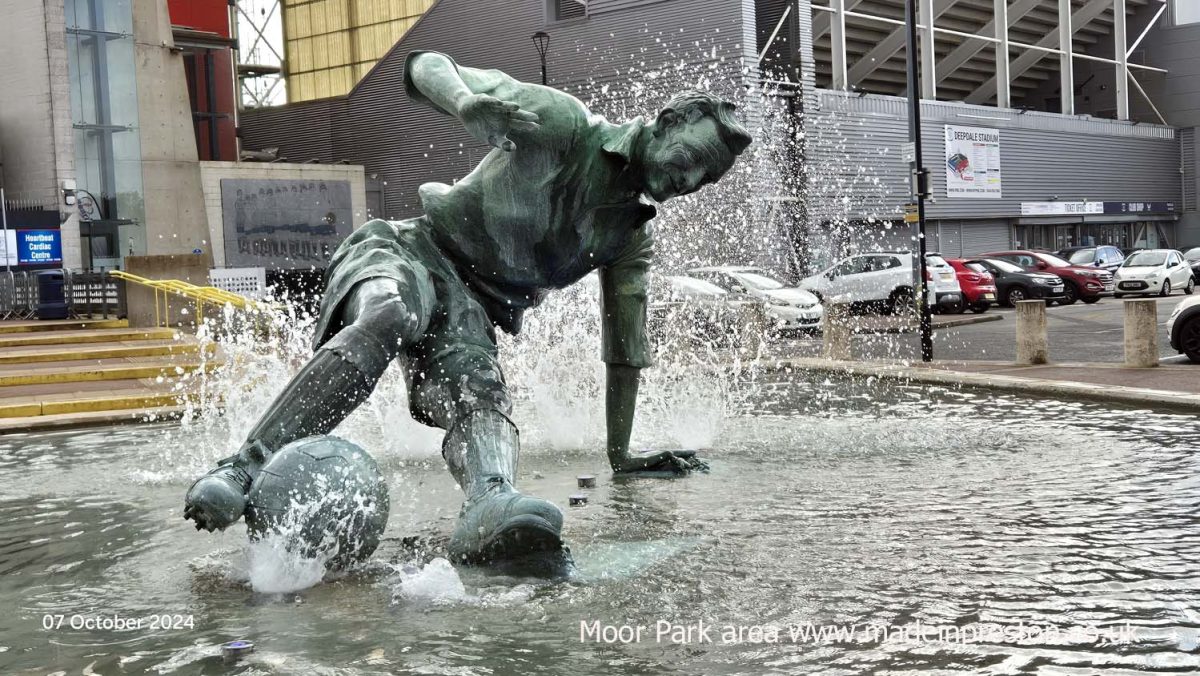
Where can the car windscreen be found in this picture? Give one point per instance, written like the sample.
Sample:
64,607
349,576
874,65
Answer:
693,288
976,267
1082,257
1193,254
1053,260
758,281
1005,266
1145,258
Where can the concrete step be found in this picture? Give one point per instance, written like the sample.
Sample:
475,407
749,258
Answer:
75,402
37,325
81,336
85,419
97,351
102,369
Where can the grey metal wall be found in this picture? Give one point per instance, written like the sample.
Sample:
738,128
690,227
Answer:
302,131
858,171
1177,93
409,144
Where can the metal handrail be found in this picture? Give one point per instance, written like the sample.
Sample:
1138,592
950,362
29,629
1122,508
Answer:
164,288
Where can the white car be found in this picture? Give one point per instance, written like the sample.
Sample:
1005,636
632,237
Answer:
1183,328
944,280
1159,271
882,279
791,308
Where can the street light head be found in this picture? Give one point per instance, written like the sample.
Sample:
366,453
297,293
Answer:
541,40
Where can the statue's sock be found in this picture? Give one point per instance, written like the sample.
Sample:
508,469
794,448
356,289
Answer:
482,448
337,379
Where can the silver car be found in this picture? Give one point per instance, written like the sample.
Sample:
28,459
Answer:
791,308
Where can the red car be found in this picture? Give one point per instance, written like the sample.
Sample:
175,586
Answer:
1085,283
978,285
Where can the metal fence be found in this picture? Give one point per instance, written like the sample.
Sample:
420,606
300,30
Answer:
87,294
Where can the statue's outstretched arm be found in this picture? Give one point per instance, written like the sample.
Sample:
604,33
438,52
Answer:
468,94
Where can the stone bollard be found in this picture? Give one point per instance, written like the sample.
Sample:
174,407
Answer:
837,331
1141,333
1032,345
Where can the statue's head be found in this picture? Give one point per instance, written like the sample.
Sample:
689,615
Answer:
692,142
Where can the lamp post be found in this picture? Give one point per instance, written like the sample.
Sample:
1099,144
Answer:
541,40
920,183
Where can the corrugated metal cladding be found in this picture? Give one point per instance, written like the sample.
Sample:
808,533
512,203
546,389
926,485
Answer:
1190,162
698,42
331,44
855,149
302,131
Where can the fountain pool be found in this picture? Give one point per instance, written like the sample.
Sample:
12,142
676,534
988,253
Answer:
952,531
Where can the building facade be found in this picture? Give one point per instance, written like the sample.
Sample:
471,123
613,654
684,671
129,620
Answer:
329,45
1014,162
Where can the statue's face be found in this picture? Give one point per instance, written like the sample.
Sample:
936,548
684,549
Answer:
681,157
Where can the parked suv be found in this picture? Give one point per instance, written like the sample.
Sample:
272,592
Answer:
944,280
978,285
1014,284
1088,284
881,279
1104,256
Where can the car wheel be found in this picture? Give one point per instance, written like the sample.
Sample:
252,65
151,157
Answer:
1070,294
901,301
979,308
1189,339
1090,299
1016,295
1191,286
1166,288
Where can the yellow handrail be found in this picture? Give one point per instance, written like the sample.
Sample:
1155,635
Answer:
200,294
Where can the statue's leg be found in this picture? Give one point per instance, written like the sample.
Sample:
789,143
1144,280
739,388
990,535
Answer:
379,318
458,385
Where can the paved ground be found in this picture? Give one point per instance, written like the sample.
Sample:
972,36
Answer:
1077,333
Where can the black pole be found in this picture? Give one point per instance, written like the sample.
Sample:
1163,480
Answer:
543,70
920,181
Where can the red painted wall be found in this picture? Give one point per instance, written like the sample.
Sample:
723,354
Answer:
202,15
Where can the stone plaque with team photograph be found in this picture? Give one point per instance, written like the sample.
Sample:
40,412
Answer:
282,224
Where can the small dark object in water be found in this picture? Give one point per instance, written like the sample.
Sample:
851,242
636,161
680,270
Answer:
578,500
234,649
586,480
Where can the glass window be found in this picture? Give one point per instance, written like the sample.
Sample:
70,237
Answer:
1003,265
1082,257
1185,12
1053,261
759,281
850,266
1146,258
1193,254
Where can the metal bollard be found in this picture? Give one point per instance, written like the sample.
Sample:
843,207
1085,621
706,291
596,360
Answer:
837,332
1032,343
1141,333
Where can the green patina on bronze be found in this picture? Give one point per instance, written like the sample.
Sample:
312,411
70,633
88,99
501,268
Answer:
560,195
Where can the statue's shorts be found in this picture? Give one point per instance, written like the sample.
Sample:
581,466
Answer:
452,367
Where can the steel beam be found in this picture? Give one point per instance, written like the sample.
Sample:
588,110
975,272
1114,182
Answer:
967,50
823,21
1081,17
1121,48
928,51
838,37
882,52
1003,83
1066,63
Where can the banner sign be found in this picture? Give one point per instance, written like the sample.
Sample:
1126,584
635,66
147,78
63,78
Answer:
39,247
973,162
284,224
1083,208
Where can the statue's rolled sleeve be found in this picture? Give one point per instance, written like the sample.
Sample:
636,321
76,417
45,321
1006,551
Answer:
623,304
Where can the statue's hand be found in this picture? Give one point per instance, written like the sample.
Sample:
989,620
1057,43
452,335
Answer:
487,118
677,462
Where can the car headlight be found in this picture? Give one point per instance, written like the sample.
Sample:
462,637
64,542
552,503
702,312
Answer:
1047,281
1090,273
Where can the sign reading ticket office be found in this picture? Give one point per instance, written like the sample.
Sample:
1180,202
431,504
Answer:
973,162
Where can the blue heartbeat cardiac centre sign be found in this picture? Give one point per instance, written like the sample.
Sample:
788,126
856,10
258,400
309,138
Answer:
37,247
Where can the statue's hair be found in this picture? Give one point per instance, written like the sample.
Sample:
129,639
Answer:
694,104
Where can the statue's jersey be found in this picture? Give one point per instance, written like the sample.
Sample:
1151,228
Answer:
562,204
